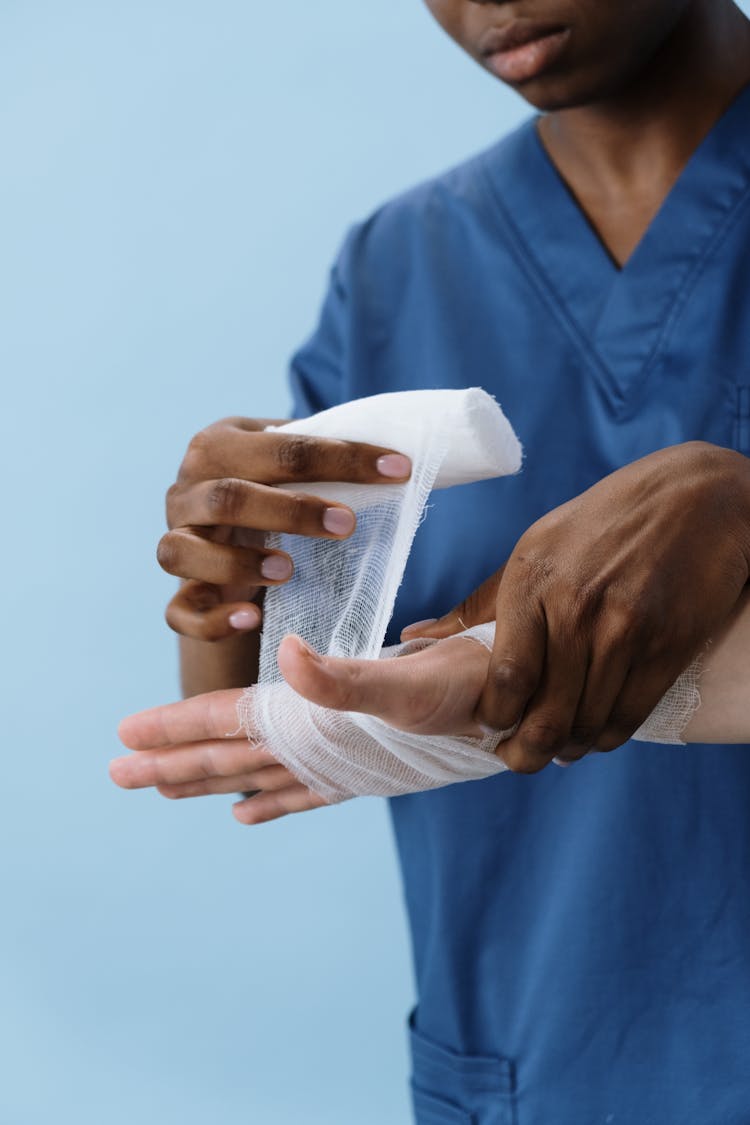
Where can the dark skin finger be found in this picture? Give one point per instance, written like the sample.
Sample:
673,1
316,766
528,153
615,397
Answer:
236,503
265,807
227,450
198,610
186,551
549,715
606,675
643,688
518,655
224,502
478,608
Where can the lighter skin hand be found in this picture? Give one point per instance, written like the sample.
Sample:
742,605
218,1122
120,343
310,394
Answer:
193,748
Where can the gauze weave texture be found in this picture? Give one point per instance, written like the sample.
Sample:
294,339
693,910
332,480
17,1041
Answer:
341,597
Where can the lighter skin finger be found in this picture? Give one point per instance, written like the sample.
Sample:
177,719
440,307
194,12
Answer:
209,716
267,779
271,806
433,691
180,765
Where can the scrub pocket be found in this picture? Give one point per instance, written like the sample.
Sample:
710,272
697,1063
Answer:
452,1089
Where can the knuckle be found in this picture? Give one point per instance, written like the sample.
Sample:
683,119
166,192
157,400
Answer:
532,561
588,597
173,617
171,499
349,460
199,442
509,678
630,618
542,738
168,553
295,456
203,458
225,499
297,509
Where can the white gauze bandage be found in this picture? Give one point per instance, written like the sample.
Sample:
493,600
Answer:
341,597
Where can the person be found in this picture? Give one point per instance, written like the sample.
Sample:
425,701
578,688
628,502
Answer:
579,936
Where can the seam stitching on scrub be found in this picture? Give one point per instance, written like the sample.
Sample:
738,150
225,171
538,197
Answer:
690,279
540,280
530,264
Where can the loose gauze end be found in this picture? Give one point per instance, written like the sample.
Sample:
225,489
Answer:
341,597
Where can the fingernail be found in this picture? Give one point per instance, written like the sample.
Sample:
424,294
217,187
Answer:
338,521
563,765
394,465
244,619
309,652
276,567
419,625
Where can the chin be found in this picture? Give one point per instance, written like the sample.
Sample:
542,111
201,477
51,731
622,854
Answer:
549,97
553,92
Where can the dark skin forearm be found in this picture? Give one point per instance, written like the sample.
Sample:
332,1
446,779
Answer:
210,666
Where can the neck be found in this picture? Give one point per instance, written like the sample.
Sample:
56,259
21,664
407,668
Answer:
646,133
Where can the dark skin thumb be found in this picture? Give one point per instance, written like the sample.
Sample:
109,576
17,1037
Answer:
476,609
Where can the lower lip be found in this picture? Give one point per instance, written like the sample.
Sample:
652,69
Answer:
521,64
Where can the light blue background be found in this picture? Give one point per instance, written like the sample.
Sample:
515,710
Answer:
176,178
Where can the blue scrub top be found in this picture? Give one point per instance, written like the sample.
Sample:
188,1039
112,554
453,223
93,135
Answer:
581,937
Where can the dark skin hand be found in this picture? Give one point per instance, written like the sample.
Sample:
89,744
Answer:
224,501
605,600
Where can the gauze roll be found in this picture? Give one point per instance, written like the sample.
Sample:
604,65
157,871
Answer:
341,597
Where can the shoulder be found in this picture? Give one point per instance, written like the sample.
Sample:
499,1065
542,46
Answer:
431,213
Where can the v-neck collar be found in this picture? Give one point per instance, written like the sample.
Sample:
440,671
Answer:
621,315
